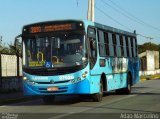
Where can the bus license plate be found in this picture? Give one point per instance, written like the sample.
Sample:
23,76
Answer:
52,89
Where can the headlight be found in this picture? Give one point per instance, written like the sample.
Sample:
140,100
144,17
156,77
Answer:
30,82
24,78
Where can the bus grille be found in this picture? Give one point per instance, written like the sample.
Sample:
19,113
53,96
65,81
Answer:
56,82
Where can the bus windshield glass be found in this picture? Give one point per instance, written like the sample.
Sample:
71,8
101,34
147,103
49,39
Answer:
63,50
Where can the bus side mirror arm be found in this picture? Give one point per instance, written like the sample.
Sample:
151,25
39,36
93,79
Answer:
17,50
17,43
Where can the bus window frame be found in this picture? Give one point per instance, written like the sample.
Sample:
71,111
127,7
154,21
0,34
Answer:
105,45
126,45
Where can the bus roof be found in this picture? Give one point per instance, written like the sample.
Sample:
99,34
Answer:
97,25
109,28
54,21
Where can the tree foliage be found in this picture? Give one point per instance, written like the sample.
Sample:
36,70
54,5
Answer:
148,46
10,50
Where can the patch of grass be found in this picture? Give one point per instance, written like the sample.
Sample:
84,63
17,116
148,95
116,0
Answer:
150,77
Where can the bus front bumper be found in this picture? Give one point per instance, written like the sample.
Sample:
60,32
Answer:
82,87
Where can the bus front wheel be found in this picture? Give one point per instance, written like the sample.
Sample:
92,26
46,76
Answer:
98,96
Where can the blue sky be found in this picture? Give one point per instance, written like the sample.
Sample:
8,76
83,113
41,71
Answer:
16,13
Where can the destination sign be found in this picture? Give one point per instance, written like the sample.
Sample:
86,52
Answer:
51,28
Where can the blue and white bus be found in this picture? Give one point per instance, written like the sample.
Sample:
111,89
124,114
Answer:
78,57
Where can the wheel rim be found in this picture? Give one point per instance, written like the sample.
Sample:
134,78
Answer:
129,83
129,86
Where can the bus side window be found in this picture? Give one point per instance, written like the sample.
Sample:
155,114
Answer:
118,46
101,43
124,46
111,50
106,38
91,33
114,44
134,47
129,47
121,45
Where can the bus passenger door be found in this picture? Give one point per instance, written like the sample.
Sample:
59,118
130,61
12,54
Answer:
92,47
94,65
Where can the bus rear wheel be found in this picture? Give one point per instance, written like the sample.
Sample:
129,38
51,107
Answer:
49,99
126,90
98,96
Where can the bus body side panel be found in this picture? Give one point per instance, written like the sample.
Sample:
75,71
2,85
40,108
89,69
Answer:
133,67
115,78
115,69
116,81
136,68
130,68
95,83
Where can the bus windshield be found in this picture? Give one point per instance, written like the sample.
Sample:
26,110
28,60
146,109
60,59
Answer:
55,51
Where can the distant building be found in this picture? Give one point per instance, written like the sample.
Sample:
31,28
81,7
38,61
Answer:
149,62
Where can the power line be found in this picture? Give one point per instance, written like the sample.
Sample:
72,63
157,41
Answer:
127,17
147,37
120,12
137,19
112,18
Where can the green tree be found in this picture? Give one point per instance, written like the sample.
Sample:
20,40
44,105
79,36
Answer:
11,50
148,46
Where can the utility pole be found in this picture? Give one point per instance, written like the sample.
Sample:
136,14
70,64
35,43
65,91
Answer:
90,15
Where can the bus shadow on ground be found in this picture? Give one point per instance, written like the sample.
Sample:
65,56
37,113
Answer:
146,94
139,88
59,100
73,99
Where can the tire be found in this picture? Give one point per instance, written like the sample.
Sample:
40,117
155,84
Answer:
49,99
126,90
98,96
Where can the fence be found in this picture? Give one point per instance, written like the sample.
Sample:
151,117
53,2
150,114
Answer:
150,72
9,66
10,72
